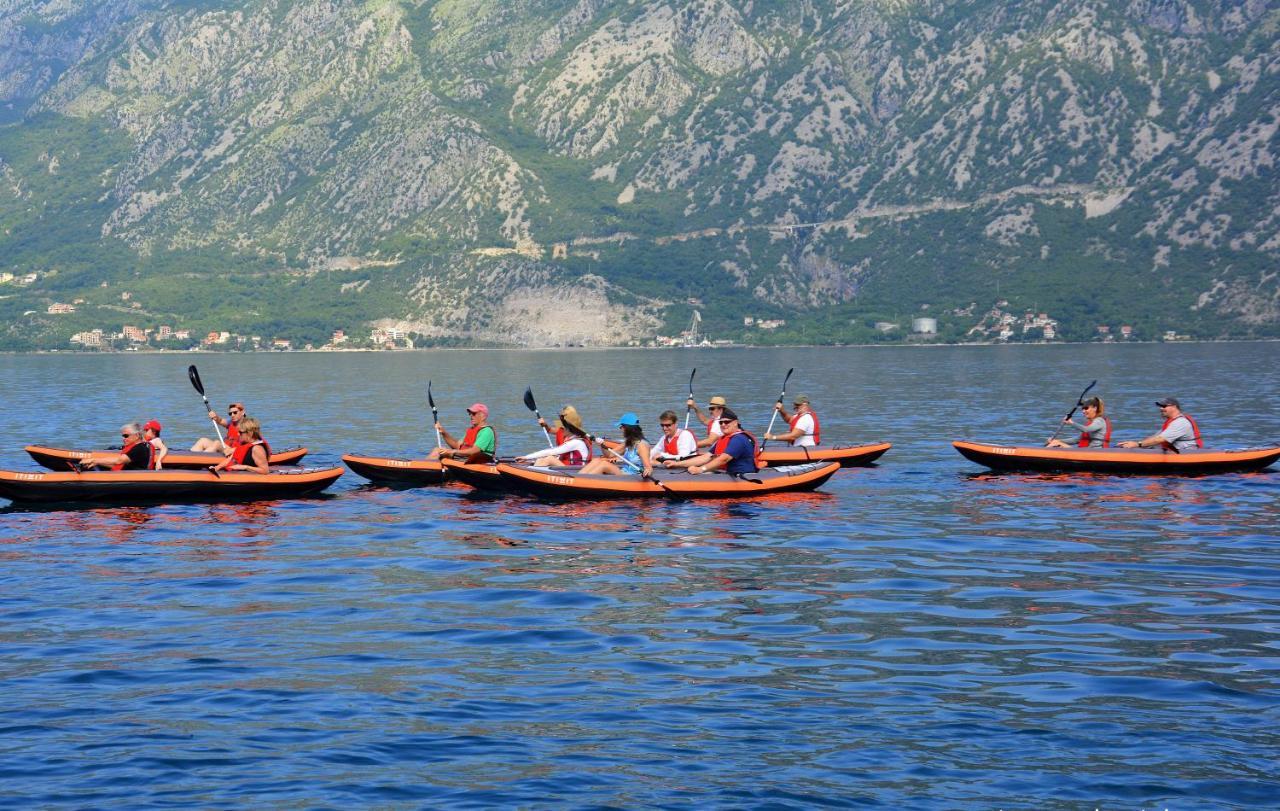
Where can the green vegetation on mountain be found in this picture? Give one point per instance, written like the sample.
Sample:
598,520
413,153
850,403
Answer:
544,172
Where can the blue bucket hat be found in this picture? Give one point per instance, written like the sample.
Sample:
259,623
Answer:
629,418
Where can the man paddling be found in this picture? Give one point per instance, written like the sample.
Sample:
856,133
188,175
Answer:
235,413
805,430
678,446
135,455
735,451
1179,432
479,444
716,405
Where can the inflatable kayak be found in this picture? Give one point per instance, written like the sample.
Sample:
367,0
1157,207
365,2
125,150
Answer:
562,483
129,486
482,475
1197,461
383,470
61,459
846,455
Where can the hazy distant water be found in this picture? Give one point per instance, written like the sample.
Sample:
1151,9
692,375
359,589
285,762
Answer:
918,634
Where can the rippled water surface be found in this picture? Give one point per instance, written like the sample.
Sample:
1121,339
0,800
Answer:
918,634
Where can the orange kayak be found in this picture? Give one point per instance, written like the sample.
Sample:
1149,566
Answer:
384,470
160,486
846,455
678,484
62,459
1157,461
480,475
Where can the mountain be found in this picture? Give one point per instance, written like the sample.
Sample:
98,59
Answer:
542,172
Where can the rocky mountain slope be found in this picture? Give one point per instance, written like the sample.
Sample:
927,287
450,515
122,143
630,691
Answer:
490,171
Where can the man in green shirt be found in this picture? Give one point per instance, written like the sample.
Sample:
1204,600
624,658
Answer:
480,444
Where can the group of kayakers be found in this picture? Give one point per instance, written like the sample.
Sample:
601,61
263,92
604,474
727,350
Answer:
1178,433
725,443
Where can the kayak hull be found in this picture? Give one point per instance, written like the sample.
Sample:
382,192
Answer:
161,486
63,459
1146,461
404,472
670,484
481,476
846,455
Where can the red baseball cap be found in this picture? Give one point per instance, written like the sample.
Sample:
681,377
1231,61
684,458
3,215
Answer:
480,408
152,425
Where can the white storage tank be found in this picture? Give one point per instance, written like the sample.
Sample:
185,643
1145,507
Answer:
924,326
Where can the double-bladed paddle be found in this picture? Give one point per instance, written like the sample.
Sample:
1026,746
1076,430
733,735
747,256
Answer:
194,376
688,409
533,406
1072,412
781,397
435,415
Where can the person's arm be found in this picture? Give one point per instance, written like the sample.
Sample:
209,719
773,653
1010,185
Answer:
213,415
162,450
447,437
697,412
485,446
574,444
642,448
99,460
715,463
782,411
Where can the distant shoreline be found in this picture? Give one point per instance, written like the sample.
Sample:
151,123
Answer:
910,345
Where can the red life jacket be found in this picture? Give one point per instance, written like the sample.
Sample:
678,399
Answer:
572,457
151,454
723,442
1195,431
1106,439
244,450
469,439
817,429
671,444
233,435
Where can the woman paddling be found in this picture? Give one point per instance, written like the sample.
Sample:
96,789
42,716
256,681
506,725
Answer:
572,445
252,455
634,457
1096,430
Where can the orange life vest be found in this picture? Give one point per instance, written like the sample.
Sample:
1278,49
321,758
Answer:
1106,439
151,454
469,439
233,435
671,444
244,450
817,429
1195,430
572,457
723,442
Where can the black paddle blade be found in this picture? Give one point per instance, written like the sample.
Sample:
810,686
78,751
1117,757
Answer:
691,374
787,378
430,400
528,399
195,379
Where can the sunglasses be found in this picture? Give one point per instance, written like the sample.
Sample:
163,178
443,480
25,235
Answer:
725,421
666,424
716,408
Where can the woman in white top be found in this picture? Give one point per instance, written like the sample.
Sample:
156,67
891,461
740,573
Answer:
574,447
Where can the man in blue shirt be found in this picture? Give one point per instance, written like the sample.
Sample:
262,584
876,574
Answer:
735,451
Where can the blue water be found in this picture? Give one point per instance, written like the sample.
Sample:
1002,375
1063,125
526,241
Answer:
919,634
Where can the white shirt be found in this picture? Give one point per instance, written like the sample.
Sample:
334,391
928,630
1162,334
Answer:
569,446
686,445
805,423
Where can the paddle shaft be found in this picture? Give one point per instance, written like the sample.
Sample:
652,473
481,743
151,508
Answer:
689,409
781,397
1072,412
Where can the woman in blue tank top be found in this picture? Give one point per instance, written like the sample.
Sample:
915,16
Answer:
634,457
